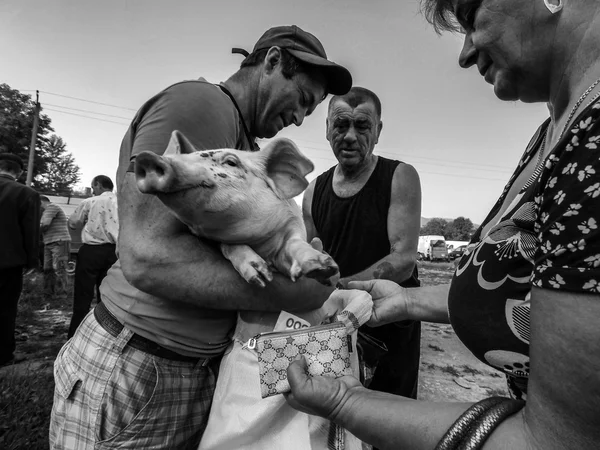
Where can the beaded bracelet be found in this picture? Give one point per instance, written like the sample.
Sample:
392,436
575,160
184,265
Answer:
474,426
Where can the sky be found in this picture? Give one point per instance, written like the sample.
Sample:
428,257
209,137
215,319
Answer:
96,62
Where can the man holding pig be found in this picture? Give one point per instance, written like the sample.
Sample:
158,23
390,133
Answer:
141,369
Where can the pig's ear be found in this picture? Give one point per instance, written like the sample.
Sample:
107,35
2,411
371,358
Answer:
179,144
286,167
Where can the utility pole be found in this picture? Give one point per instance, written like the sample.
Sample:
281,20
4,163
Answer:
36,120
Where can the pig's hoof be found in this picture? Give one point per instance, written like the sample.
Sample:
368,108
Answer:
257,273
257,281
323,274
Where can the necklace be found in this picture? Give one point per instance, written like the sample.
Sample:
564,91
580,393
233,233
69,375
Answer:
538,165
577,105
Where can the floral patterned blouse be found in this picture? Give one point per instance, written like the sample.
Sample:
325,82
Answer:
548,238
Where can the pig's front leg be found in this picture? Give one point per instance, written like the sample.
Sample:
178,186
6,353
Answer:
249,265
310,262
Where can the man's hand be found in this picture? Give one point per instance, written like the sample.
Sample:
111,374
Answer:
390,301
320,396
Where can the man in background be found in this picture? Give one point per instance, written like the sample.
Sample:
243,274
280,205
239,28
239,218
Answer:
98,252
19,242
367,212
57,247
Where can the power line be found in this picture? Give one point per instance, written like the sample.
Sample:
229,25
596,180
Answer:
387,152
457,164
87,117
334,161
479,166
463,176
89,101
88,111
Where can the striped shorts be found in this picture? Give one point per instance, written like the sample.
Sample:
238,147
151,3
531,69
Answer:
109,395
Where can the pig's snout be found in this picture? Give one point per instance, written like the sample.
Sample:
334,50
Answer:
153,174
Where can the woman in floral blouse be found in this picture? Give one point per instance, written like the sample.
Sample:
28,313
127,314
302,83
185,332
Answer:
525,297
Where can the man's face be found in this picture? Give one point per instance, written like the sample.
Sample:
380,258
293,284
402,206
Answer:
96,189
353,132
44,204
285,101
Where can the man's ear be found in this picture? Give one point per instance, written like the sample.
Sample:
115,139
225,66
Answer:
379,128
272,59
327,131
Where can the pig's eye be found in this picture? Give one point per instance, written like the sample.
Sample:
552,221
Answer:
230,161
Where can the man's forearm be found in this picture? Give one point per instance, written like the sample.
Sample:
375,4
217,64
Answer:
429,303
393,267
201,275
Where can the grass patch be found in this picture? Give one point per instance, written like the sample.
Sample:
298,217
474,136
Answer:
470,370
25,406
27,389
450,370
435,348
495,392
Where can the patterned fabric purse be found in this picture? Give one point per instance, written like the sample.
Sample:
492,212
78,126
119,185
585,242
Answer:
326,349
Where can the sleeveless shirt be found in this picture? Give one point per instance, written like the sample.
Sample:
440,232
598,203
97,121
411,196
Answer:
354,229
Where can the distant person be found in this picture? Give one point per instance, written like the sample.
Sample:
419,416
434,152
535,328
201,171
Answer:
19,243
98,216
57,248
367,212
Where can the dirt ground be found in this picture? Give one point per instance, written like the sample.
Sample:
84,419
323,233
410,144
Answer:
448,370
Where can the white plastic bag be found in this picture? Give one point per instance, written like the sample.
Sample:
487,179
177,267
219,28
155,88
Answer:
241,419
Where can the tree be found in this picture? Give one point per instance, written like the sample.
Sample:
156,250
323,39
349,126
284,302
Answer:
53,168
435,226
16,123
460,229
61,171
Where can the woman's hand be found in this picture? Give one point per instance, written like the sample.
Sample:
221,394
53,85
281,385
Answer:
320,396
390,301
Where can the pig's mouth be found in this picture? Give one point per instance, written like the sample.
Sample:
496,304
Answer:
204,184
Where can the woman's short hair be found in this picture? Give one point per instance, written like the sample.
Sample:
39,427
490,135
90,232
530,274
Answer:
104,181
440,14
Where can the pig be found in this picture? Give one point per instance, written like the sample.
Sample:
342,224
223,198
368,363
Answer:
244,201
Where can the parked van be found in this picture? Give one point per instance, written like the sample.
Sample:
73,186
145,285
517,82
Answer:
431,248
451,245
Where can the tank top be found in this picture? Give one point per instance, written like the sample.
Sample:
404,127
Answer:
354,229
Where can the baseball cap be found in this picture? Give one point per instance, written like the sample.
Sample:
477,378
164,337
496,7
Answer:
13,158
308,49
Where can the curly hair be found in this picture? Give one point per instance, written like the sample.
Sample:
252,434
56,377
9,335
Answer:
440,14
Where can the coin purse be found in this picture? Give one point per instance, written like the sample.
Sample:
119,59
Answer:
326,349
